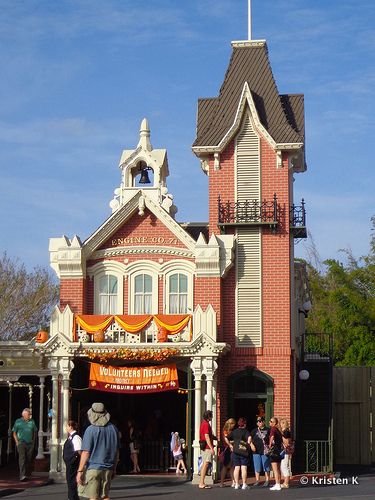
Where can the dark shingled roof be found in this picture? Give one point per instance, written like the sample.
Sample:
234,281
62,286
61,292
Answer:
195,228
282,116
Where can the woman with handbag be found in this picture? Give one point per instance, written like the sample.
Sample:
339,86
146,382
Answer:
134,446
226,455
276,441
288,448
239,442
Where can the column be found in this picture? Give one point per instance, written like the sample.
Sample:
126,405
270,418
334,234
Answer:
196,367
41,408
209,369
65,367
10,418
54,445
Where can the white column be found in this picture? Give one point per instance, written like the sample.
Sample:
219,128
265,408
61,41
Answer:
209,369
41,407
54,445
196,367
9,445
65,368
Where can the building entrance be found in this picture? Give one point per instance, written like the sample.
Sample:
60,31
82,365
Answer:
155,415
250,393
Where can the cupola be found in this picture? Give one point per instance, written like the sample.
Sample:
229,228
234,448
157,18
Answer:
145,169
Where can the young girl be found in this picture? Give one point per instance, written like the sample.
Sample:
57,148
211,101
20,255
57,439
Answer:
228,427
177,453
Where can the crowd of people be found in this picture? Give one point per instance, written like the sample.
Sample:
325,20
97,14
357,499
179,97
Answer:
91,461
270,448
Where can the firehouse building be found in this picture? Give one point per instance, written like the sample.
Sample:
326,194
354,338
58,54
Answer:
160,319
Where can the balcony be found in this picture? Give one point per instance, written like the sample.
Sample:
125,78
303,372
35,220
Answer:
248,213
265,213
297,220
134,332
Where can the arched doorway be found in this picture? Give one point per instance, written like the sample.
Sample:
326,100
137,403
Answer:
249,392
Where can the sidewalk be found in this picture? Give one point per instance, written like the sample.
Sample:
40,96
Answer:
10,482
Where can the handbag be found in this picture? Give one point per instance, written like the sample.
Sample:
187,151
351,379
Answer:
222,455
267,449
137,443
289,448
241,447
202,444
274,454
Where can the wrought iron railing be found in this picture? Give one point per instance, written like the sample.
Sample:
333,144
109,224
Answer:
297,220
256,213
319,456
318,346
250,212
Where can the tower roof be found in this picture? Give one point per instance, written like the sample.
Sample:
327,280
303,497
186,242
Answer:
281,115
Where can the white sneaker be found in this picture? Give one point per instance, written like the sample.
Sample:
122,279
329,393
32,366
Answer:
277,487
245,487
236,486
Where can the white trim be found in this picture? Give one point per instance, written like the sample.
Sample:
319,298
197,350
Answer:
143,267
106,268
179,269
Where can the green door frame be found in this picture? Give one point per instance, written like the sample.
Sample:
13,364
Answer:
250,371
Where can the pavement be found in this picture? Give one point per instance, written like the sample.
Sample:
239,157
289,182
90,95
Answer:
348,484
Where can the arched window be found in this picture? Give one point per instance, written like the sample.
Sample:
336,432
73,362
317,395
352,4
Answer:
178,294
108,294
143,294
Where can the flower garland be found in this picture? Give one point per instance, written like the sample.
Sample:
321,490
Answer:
138,354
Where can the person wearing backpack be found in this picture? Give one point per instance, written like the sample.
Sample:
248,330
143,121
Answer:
239,442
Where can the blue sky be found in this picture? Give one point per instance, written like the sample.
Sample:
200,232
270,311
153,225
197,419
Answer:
78,76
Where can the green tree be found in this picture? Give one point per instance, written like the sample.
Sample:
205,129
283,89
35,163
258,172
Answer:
26,299
344,303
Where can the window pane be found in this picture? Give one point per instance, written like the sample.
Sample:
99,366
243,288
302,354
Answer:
138,304
183,283
112,304
103,304
139,284
104,284
173,283
148,304
148,283
112,284
173,304
183,304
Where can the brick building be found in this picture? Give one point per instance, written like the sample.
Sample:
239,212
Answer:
221,301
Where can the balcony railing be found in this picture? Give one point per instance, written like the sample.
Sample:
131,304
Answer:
297,219
256,213
249,212
201,322
117,335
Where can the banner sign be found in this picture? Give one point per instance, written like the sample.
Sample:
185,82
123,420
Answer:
133,380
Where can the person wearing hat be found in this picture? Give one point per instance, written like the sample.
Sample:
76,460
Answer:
100,454
259,437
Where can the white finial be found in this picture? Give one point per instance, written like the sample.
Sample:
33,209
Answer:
249,20
144,135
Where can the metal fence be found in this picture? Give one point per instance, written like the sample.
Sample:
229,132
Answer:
319,456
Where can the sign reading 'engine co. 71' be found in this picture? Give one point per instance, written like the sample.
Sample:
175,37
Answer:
144,240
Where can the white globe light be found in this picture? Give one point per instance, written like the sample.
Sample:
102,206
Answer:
304,375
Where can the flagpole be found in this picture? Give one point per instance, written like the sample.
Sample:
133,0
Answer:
249,19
